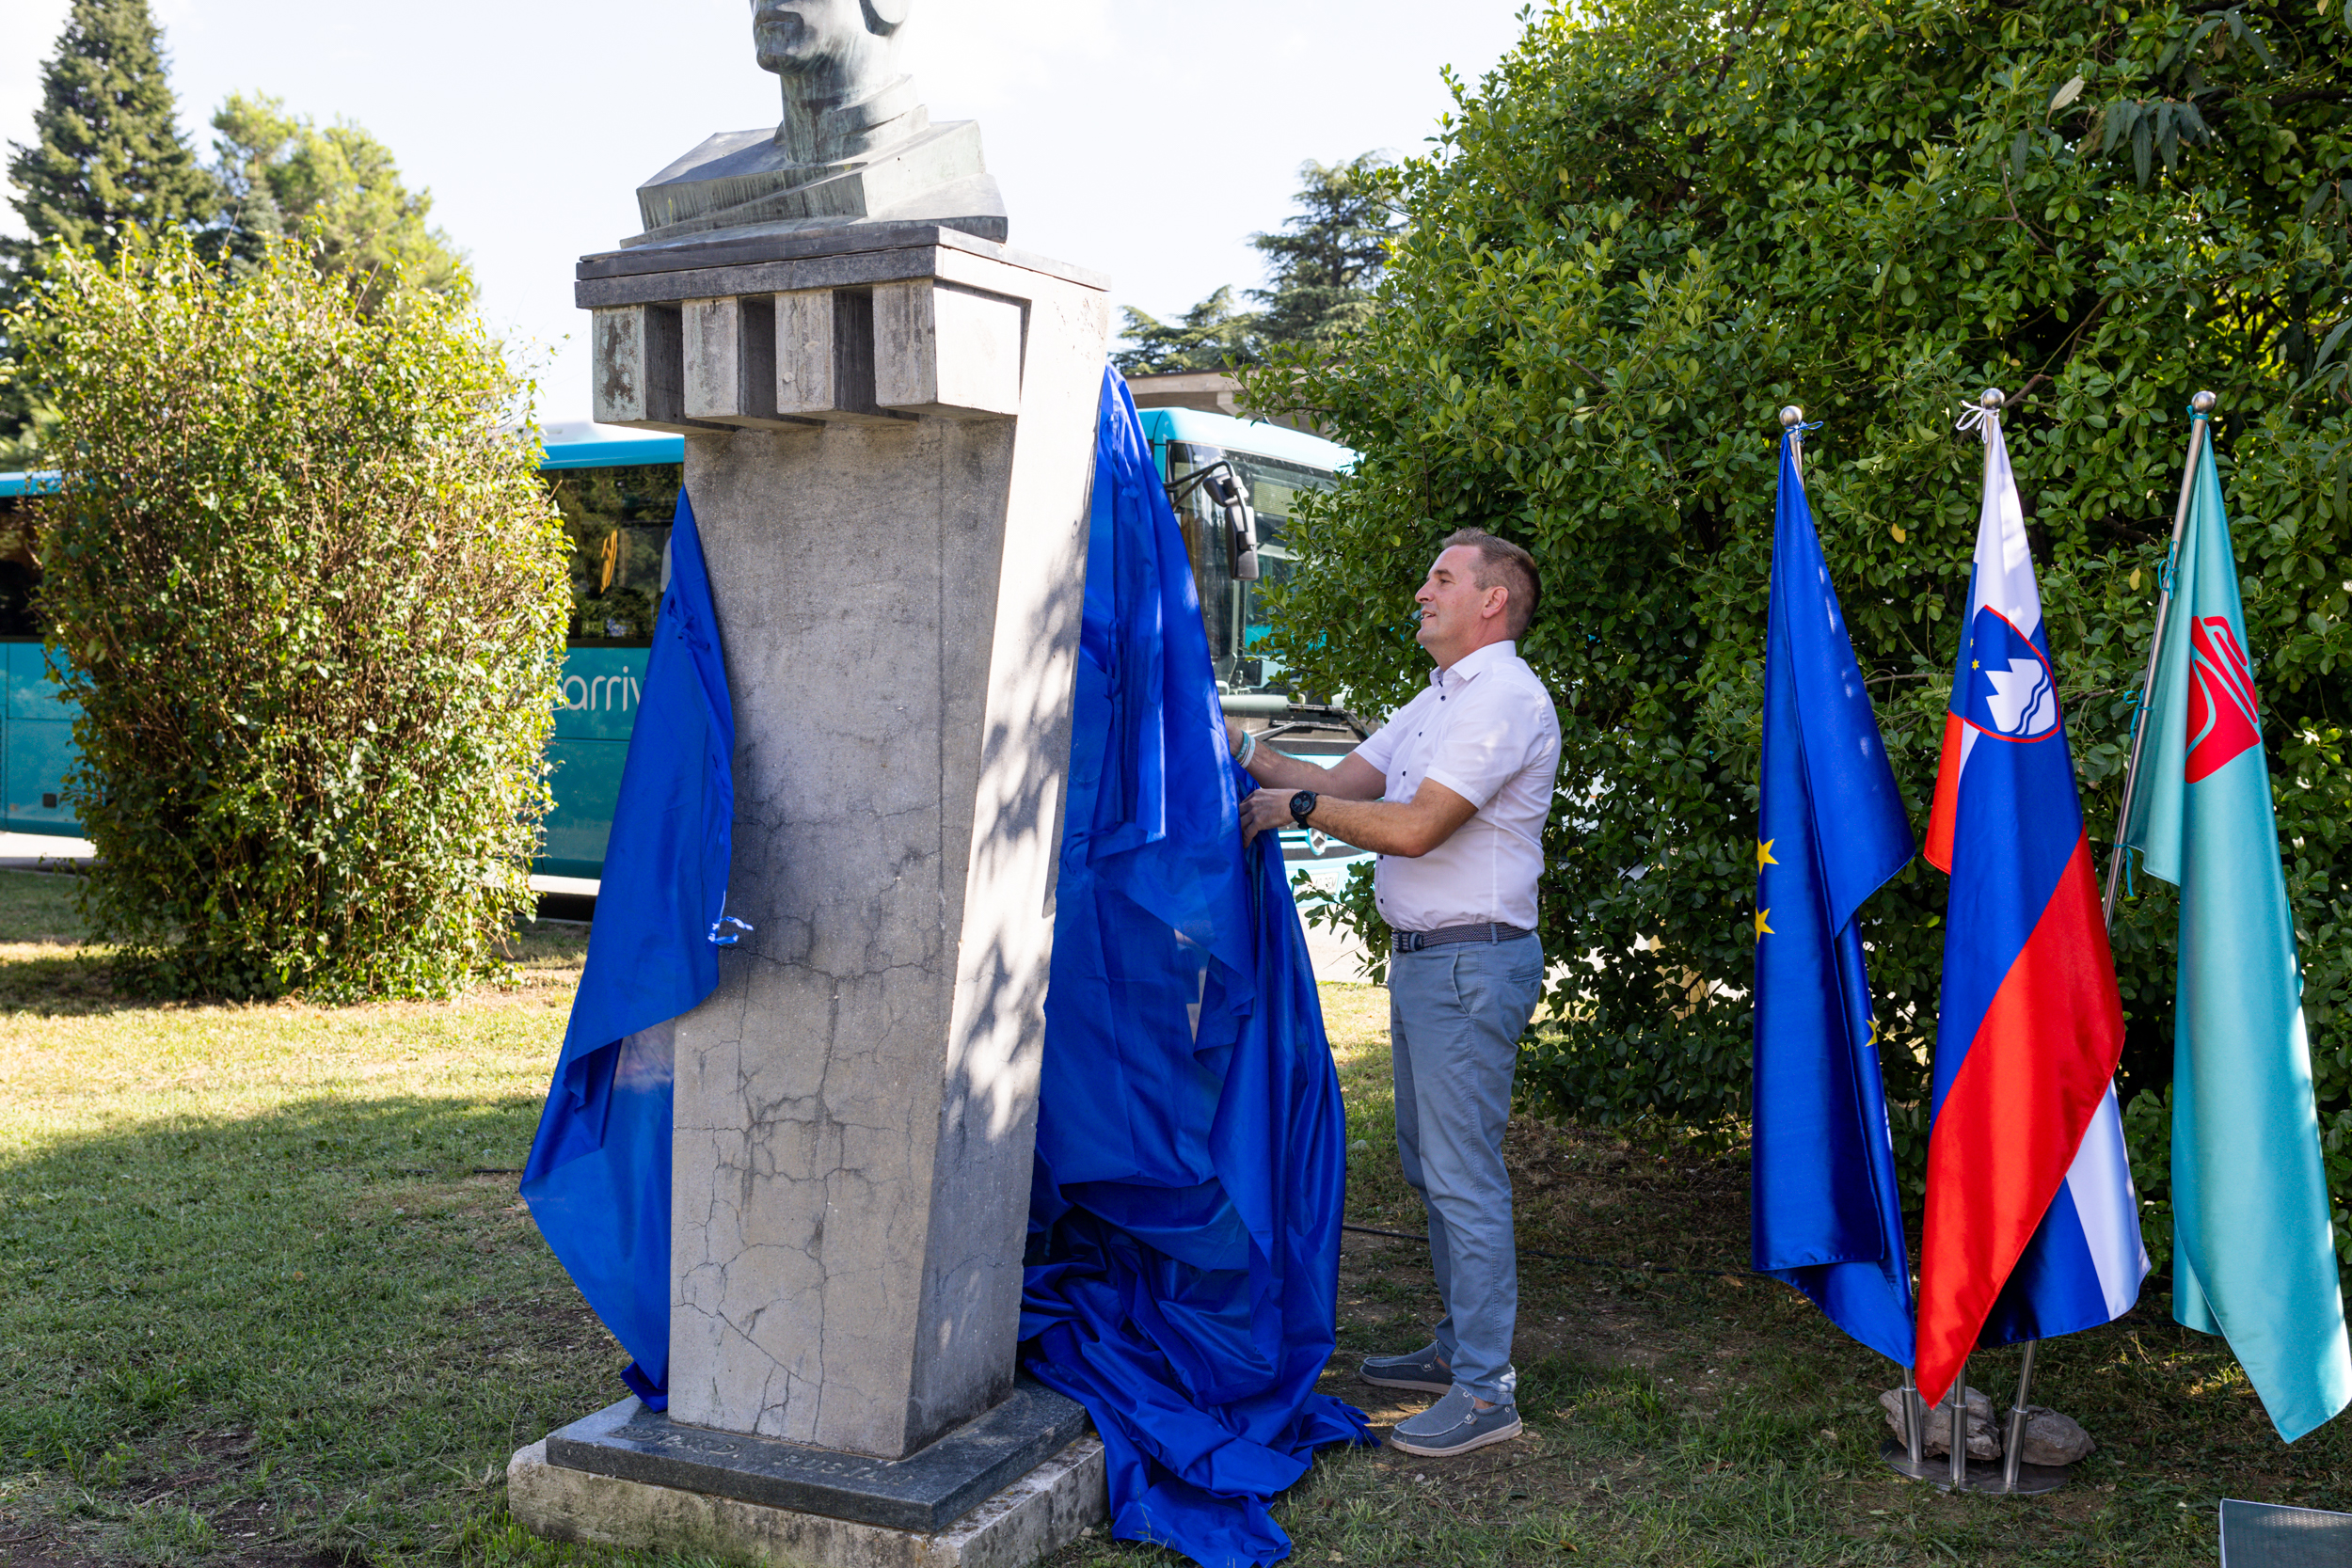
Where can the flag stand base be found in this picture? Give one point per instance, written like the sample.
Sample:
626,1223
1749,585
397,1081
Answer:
1984,1476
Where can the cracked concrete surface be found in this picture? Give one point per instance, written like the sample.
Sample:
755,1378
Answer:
855,1106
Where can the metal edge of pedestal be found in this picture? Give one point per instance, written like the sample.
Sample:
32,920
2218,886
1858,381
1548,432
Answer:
925,1492
1985,1476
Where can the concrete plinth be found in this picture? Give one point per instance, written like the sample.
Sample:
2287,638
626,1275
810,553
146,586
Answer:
1031,1519
898,582
890,435
925,1492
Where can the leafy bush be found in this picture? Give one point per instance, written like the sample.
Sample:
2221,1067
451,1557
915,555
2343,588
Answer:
1656,222
309,597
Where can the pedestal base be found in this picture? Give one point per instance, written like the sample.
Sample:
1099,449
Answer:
1985,1476
1023,1524
925,1492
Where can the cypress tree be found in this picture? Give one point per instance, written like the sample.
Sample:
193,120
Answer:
108,152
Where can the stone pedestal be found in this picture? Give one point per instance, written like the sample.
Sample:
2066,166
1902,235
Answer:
890,435
1026,1521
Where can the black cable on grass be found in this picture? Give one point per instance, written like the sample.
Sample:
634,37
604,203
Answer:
1564,1256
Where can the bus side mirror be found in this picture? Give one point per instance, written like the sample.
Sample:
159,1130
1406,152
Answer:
1241,526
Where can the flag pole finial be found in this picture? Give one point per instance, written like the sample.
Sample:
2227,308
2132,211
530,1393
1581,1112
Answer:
1993,399
1793,416
2204,403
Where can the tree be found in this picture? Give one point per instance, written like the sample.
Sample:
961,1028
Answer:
106,159
308,598
1212,334
1657,221
1322,267
340,187
1328,257
108,154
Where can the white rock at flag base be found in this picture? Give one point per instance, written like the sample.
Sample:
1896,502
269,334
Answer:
2051,1439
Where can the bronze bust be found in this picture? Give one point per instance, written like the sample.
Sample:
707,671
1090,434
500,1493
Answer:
856,145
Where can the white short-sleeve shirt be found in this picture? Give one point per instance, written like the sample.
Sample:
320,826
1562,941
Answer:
1486,730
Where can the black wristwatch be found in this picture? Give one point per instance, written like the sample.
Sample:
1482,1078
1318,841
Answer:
1303,806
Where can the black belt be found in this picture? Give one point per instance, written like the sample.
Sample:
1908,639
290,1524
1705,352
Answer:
1492,931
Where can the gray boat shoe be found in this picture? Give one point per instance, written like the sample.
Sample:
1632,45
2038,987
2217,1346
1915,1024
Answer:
1455,1425
1424,1369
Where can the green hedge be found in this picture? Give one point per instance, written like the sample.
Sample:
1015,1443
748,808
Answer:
1649,228
309,597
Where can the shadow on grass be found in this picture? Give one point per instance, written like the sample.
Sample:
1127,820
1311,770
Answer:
49,968
315,1330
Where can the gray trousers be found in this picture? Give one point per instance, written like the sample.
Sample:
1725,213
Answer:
1455,1017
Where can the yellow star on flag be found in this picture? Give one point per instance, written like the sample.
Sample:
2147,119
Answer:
1763,930
1874,1033
1764,852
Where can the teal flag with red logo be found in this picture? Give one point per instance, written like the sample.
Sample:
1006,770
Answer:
2253,1248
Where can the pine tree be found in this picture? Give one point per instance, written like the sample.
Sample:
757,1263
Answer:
1323,265
108,152
1330,252
1212,334
107,155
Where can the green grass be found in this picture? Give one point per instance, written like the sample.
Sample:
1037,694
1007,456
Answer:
263,1300
258,1297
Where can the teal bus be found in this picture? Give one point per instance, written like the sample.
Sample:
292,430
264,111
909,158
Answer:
617,490
35,729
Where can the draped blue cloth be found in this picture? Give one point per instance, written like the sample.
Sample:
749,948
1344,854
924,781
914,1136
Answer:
1191,1169
597,1179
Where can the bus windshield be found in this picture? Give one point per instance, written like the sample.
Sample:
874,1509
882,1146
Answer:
1234,613
618,522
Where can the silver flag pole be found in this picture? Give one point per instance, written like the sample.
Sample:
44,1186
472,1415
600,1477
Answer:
2201,413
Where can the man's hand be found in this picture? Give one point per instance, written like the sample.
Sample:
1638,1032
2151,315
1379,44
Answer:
1408,827
1264,810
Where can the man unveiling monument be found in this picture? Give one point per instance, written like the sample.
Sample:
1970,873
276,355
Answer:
889,420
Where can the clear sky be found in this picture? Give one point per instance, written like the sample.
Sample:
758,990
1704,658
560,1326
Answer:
1145,141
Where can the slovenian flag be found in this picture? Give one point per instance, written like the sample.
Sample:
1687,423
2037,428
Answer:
2253,1248
2032,1227
1831,829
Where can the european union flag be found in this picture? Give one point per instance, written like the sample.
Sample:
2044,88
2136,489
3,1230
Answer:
1831,831
598,1177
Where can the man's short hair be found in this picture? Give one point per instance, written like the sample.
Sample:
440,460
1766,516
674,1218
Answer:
1502,562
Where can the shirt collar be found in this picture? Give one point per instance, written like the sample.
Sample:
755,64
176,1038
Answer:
1470,664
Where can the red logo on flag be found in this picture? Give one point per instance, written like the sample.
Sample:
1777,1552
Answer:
2222,709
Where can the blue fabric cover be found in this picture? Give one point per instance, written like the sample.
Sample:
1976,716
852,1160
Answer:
598,1177
1184,1221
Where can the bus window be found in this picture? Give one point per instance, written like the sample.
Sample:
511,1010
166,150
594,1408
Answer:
1234,613
1274,490
19,574
618,520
